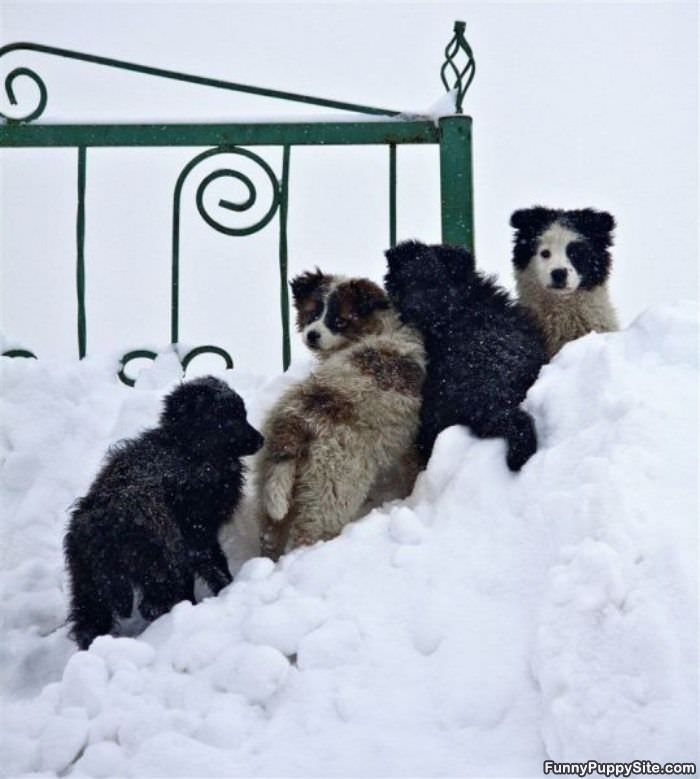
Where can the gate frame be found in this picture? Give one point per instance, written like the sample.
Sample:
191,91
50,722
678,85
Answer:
453,134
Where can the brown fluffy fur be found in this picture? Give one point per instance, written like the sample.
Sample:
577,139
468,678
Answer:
343,439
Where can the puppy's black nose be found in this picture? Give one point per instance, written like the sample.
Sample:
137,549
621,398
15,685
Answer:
253,440
313,337
559,277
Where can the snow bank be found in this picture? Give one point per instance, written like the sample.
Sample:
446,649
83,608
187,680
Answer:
483,625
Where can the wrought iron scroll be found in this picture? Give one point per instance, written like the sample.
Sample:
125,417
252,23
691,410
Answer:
19,353
278,201
160,73
135,354
463,75
10,90
148,354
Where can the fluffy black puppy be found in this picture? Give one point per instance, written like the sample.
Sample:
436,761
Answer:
149,522
483,352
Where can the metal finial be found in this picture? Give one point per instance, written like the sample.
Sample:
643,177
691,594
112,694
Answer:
463,76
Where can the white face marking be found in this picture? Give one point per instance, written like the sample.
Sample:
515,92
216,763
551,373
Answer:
550,262
316,334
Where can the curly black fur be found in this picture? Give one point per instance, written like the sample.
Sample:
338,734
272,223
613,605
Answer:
483,352
590,256
149,521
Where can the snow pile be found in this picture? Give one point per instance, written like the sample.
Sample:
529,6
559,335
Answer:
483,625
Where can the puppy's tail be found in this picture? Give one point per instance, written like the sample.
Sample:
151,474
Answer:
277,489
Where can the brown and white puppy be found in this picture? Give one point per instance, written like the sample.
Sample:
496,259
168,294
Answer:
334,437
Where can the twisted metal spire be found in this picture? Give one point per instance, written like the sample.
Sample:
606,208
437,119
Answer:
463,75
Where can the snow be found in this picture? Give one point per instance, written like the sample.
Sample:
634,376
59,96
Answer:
485,624
443,106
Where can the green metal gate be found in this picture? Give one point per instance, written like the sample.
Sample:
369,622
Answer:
391,129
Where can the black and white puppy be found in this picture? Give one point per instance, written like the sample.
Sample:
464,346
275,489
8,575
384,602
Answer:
149,522
483,351
562,264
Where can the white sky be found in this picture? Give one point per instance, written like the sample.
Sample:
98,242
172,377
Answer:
574,104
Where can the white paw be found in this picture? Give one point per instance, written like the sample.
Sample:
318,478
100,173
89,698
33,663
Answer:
275,501
277,490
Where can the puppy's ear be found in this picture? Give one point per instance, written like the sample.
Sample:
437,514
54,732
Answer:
365,297
532,220
529,223
405,252
186,402
458,261
594,224
306,284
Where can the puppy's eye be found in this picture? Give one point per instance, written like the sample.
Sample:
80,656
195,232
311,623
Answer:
340,324
546,254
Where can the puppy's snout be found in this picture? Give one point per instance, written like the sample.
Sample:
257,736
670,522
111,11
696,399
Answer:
559,278
313,337
253,440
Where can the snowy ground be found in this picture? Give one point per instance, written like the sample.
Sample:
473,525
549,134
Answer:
485,624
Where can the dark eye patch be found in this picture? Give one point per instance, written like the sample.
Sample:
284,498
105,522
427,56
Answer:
580,256
315,311
341,316
333,314
353,309
310,310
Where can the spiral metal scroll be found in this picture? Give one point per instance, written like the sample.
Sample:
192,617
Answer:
127,358
463,75
10,91
229,205
20,353
147,354
244,205
250,199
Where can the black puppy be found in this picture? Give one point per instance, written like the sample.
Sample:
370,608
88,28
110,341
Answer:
149,522
483,352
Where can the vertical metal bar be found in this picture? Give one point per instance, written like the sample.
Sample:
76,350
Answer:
456,185
284,287
175,267
392,194
80,261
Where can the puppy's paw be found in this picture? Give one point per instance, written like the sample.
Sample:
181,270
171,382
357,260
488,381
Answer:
275,501
277,490
521,440
301,537
271,541
517,456
152,609
84,636
216,578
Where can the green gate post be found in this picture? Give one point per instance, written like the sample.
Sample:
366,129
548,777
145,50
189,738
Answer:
456,185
